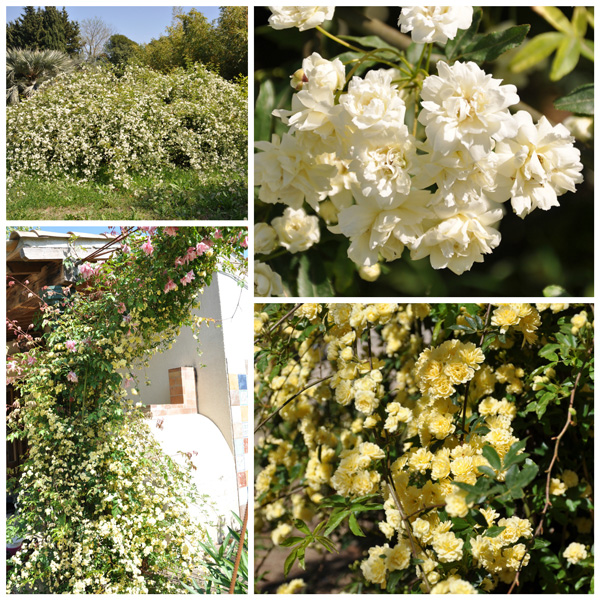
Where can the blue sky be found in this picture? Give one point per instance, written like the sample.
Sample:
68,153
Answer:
139,23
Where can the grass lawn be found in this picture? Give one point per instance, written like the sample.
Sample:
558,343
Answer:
174,194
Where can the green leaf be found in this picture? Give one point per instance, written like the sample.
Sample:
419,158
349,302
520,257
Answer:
312,279
555,17
555,291
494,531
289,562
540,543
580,101
302,526
463,36
327,543
512,456
291,541
491,46
265,103
549,351
368,41
487,471
587,49
579,21
354,526
490,454
536,50
566,59
335,519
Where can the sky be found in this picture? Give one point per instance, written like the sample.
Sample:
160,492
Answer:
139,23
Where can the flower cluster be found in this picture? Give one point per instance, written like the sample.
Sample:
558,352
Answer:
388,171
424,409
92,125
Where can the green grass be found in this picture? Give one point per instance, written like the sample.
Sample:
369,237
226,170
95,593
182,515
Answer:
172,194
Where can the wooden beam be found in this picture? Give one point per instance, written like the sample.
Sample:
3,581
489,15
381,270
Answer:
19,267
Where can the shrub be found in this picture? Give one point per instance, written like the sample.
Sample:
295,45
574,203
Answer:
93,125
451,446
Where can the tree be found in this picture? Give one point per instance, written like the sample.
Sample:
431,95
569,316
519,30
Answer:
120,49
44,29
94,35
231,37
26,70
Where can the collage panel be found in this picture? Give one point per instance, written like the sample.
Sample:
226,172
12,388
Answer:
127,368
128,309
424,151
424,448
151,125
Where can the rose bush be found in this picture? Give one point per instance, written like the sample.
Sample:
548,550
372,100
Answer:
444,448
403,146
95,126
101,509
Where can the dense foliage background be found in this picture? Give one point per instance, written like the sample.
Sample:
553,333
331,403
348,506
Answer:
548,248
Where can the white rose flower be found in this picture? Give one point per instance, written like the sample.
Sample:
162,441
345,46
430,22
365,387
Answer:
456,242
465,107
382,226
313,107
373,104
302,17
537,165
382,163
296,230
286,172
265,238
321,73
266,281
434,23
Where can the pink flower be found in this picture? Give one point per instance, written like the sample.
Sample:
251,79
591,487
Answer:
128,381
180,261
191,254
187,278
151,229
208,242
71,345
11,283
126,249
30,360
147,247
201,248
171,230
218,234
244,243
170,285
86,270
122,308
72,376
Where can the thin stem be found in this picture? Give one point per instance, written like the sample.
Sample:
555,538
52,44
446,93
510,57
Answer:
337,39
265,421
288,314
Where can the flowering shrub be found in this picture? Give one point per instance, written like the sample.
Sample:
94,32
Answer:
449,448
422,149
101,509
95,126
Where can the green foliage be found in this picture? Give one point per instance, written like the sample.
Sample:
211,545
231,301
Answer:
44,28
220,564
569,42
164,194
120,49
221,46
27,70
580,101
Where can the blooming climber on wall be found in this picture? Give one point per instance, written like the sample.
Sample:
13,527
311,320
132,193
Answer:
101,509
411,156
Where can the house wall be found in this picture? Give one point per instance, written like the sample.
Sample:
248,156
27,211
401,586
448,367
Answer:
221,371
